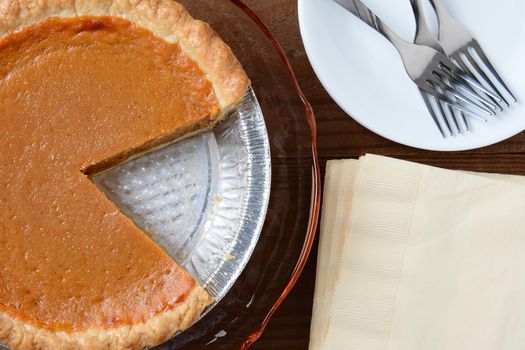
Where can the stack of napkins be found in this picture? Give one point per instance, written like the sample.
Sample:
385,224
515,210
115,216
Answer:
413,257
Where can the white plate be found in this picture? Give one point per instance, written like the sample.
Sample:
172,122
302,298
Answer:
365,76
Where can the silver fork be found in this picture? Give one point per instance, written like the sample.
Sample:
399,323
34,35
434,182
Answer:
459,45
430,70
424,36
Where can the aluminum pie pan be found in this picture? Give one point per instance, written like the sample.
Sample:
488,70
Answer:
202,199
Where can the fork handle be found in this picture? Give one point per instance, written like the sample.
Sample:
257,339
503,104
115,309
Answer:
444,17
424,35
365,14
440,8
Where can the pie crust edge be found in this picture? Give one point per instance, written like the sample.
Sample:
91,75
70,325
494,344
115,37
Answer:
170,21
22,336
167,19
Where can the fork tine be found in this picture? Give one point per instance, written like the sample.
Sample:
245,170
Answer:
426,99
441,111
466,74
468,91
469,78
481,54
465,121
466,87
466,111
441,104
453,117
454,113
467,57
431,89
448,90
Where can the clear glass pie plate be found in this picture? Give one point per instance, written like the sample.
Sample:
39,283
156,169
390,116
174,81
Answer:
293,207
236,206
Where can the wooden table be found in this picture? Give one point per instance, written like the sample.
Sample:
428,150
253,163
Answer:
341,137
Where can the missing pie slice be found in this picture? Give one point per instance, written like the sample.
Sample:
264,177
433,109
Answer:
85,84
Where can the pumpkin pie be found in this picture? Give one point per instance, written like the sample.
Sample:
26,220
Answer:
84,85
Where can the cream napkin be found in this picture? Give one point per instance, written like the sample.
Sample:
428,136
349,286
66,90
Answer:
413,257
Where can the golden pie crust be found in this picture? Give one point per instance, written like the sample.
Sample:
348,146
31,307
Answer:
21,336
170,22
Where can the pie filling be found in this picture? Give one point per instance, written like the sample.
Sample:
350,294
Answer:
75,93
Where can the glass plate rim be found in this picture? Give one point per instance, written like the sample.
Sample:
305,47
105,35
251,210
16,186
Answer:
315,201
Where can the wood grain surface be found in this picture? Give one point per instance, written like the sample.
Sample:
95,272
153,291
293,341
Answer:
341,137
